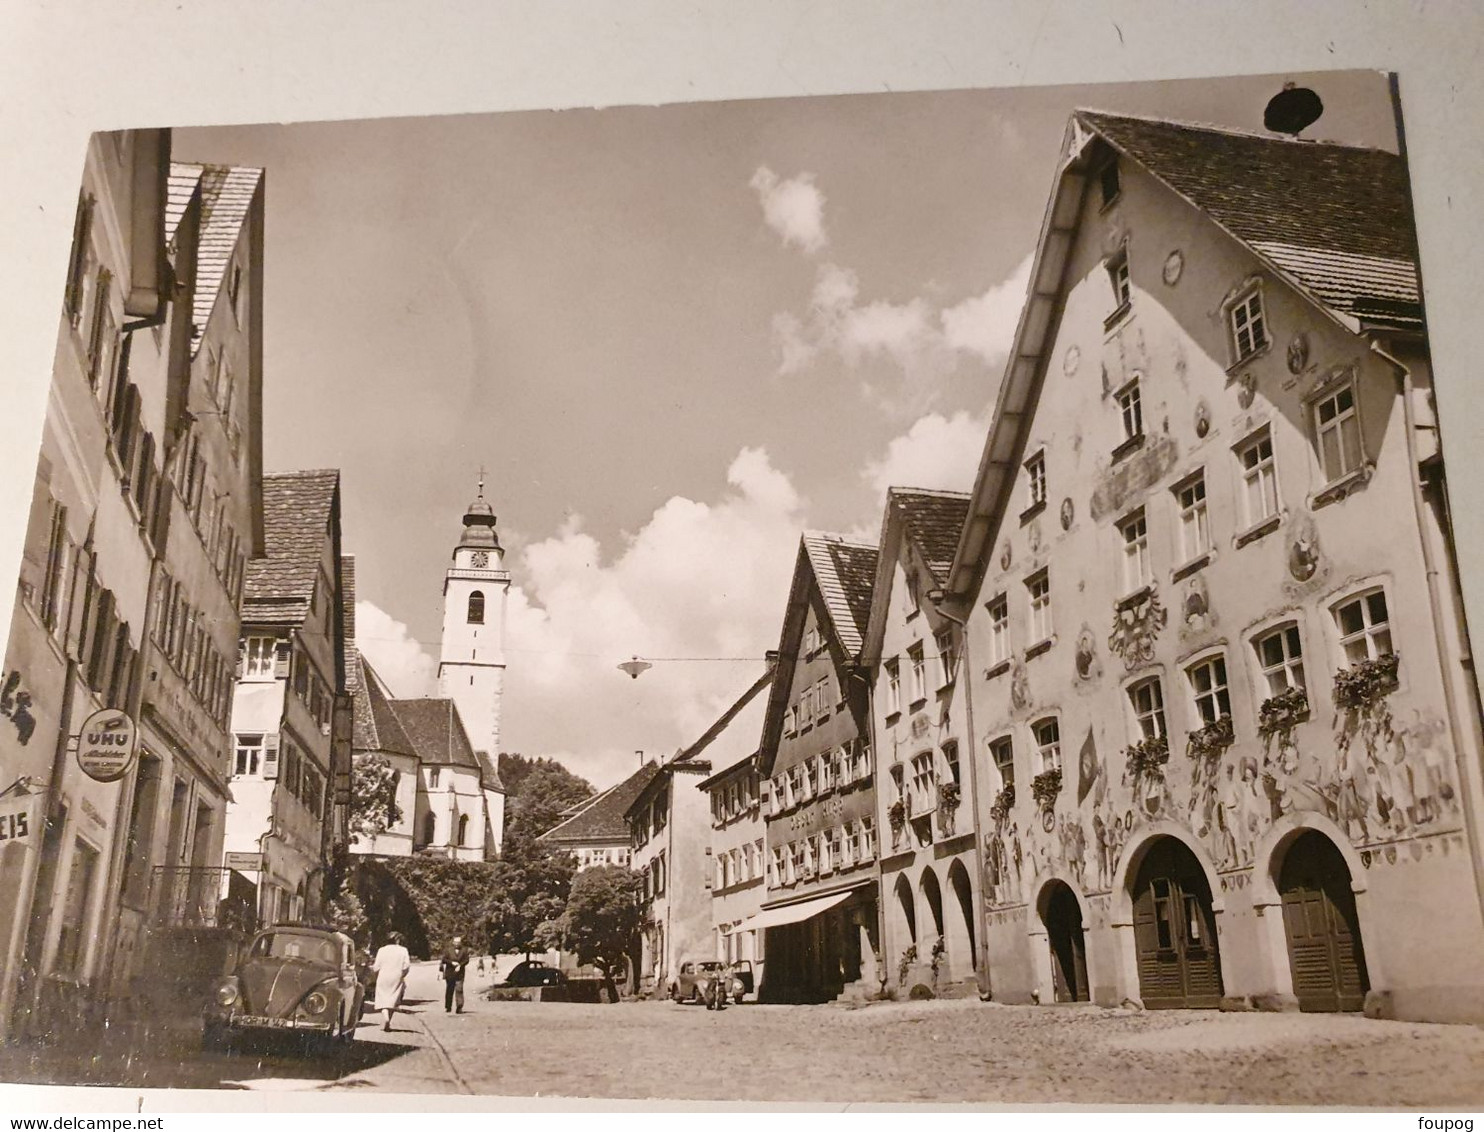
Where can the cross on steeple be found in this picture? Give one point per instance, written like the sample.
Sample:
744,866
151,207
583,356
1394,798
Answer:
481,481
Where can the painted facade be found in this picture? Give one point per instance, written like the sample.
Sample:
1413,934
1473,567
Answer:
1229,755
291,667
820,911
929,858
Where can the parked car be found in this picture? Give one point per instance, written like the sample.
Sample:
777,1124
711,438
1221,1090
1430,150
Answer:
292,979
530,973
710,981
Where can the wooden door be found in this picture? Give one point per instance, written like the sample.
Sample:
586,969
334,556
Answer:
1068,945
1175,931
1323,931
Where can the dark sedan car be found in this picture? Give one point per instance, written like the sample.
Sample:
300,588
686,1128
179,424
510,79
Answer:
292,979
529,973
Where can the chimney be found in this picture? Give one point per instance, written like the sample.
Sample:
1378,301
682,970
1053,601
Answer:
641,757
770,658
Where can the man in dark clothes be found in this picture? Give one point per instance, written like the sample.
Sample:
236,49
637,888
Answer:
455,960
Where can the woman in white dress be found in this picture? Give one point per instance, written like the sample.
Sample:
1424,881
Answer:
391,965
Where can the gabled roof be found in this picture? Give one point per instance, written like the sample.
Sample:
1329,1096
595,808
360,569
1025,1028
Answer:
1336,220
436,732
348,597
297,511
930,522
601,817
377,727
489,772
227,193
842,572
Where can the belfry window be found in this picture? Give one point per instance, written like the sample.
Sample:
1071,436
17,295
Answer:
476,608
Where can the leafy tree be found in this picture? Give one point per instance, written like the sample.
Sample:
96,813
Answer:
533,882
538,790
601,919
373,796
346,913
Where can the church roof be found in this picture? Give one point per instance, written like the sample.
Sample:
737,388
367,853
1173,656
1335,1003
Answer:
437,732
377,727
479,524
491,771
297,510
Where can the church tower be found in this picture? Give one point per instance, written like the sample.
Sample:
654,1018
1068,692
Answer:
471,669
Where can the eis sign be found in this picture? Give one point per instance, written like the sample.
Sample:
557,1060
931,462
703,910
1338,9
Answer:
105,749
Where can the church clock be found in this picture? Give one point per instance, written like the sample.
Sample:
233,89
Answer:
479,559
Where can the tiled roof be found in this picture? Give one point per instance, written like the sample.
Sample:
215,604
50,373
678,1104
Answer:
602,817
377,727
1335,219
296,519
437,733
180,187
226,196
348,596
933,520
845,572
490,772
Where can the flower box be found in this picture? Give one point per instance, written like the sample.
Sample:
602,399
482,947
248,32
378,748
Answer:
1045,787
1003,803
948,796
1280,712
1211,739
1365,683
1147,758
896,814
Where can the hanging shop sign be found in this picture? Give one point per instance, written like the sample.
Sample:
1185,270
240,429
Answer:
18,820
105,749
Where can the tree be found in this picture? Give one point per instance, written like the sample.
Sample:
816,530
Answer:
373,796
538,790
533,882
602,917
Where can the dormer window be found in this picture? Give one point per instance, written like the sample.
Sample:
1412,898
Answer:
476,608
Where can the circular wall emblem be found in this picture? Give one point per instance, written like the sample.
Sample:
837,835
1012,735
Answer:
1298,352
105,749
1246,390
1005,557
1067,513
1202,419
1071,360
1174,266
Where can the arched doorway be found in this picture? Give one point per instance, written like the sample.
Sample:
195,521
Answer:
958,880
1175,930
1325,952
1062,916
933,894
908,907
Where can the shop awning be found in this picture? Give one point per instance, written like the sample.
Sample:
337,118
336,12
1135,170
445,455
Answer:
793,913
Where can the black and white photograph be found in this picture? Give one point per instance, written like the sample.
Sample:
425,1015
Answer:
863,597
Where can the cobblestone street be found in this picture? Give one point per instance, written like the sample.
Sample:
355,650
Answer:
942,1051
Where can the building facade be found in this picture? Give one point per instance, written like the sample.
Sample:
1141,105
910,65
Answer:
820,911
291,672
595,831
1230,750
739,863
929,854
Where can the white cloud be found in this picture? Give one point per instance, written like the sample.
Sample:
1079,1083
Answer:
398,659
703,583
985,325
936,452
794,208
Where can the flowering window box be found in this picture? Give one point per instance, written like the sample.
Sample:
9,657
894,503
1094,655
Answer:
1367,682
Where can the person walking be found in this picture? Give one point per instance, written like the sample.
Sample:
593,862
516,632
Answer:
391,965
452,967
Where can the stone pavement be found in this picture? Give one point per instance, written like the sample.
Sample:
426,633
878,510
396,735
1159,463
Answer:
937,1051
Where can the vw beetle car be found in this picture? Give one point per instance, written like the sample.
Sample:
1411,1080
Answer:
697,978
292,979
529,973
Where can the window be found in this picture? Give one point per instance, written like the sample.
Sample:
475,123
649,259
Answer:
1038,587
1195,526
807,777
1118,277
899,788
1280,655
1148,702
836,838
258,658
1002,752
827,772
893,686
249,751
1035,479
1131,411
950,762
811,640
1136,569
1208,685
868,838
1048,744
946,659
822,698
463,829
1337,427
923,781
433,773
77,269
999,630
919,673
1365,632
476,608
1249,327
1259,478
1109,182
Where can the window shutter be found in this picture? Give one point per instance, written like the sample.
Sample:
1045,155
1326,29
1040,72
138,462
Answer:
82,229
270,755
281,653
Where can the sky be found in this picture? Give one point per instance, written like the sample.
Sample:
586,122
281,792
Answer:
674,338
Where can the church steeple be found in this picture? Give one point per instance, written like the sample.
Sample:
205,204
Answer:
479,524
